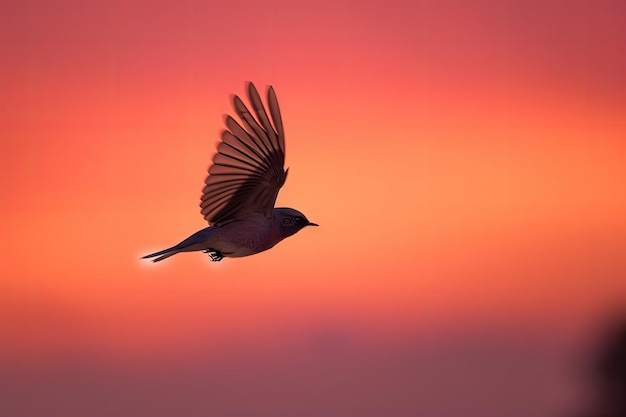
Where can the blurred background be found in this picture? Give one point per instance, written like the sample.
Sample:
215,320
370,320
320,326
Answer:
465,160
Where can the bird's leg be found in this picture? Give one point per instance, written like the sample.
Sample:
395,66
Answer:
215,255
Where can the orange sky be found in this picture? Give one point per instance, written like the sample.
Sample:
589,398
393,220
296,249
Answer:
465,161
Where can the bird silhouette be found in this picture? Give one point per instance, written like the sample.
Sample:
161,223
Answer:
241,189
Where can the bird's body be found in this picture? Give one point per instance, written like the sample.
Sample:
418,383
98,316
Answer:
242,186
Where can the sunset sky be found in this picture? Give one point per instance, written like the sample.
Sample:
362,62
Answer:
466,162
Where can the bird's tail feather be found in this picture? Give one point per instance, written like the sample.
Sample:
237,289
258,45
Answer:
192,243
165,253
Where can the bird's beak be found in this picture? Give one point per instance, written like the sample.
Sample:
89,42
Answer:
312,224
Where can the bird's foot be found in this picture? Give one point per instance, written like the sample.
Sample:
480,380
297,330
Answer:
215,255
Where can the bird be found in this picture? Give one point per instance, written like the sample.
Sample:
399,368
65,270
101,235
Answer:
242,185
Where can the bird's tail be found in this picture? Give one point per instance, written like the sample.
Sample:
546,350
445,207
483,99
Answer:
165,253
192,243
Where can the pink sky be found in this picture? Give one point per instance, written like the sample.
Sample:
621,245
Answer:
465,161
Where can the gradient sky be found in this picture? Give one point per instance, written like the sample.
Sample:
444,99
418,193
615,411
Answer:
466,161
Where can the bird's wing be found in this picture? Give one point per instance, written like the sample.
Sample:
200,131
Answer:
248,168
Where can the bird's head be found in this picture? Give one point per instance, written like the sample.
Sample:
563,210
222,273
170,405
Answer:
291,221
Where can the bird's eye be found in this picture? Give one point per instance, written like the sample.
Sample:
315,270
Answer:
287,221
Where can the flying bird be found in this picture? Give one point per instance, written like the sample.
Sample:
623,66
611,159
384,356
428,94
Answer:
241,189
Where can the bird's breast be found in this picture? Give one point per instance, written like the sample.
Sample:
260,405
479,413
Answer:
246,237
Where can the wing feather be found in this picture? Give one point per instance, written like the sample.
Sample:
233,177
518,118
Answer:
276,118
248,169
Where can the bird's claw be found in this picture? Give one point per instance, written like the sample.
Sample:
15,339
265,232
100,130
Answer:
215,255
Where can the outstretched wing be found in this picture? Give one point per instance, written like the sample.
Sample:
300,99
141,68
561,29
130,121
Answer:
248,168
